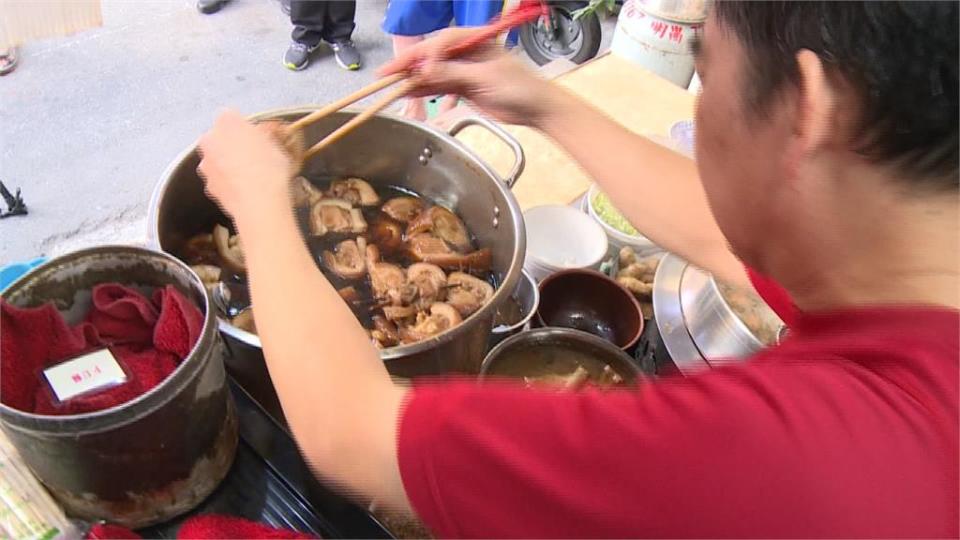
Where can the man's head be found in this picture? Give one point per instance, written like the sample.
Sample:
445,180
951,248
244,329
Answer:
806,105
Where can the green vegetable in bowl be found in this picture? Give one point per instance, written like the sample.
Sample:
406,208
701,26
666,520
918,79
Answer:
611,216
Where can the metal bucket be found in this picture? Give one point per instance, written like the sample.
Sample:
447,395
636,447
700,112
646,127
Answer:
388,152
151,458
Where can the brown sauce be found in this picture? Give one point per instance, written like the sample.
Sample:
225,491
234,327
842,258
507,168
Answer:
364,304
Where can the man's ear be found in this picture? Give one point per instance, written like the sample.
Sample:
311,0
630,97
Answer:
815,109
813,113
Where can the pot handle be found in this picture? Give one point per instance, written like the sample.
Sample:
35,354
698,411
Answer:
508,139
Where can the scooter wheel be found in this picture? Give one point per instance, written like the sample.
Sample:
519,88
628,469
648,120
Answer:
578,40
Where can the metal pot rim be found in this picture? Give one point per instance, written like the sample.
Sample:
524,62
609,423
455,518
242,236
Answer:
150,400
536,305
506,286
555,331
742,328
706,284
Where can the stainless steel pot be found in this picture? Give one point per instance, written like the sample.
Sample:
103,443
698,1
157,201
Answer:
696,324
389,152
527,295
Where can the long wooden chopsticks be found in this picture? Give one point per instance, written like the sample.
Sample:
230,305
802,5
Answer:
346,101
522,14
338,133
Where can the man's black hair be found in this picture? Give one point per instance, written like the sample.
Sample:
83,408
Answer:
900,57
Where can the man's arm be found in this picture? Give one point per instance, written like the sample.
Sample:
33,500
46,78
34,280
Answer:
334,389
658,190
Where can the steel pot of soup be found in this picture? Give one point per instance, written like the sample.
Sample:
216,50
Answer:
562,359
423,239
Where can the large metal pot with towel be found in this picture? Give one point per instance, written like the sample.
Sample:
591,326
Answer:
148,459
386,151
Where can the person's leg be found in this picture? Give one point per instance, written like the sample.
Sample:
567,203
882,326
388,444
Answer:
307,17
8,60
470,13
413,108
408,22
339,21
476,12
338,27
448,103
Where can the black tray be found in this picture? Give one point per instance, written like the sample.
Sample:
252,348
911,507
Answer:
270,483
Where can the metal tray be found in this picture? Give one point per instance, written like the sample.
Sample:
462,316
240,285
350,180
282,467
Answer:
270,483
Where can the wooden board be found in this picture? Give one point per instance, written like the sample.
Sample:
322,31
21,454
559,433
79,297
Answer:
635,97
29,20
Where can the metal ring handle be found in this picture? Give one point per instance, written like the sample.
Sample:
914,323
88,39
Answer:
519,159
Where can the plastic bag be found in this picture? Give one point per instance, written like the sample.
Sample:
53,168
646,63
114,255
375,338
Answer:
27,511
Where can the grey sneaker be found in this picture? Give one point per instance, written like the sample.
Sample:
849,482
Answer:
346,54
297,56
8,60
210,6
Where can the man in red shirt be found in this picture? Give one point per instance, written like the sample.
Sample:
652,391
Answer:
827,149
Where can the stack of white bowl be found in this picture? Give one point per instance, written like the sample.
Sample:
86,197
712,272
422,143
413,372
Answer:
562,238
617,239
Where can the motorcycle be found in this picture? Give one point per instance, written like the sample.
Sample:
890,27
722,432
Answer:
560,34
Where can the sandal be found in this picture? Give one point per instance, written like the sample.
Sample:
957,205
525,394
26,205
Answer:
8,60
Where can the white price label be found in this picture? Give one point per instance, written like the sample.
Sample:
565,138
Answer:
87,373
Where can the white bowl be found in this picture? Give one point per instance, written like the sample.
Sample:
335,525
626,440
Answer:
537,271
561,238
640,244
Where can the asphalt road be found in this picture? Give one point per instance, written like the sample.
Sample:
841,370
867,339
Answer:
89,122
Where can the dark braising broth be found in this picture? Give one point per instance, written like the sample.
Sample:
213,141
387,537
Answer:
422,250
327,243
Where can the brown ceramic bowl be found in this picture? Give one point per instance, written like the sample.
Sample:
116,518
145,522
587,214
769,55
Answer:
592,302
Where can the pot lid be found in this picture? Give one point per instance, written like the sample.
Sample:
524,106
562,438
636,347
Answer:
668,315
717,332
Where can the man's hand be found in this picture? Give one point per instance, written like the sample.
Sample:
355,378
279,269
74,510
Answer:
243,165
495,82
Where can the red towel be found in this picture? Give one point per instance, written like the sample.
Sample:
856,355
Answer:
106,531
204,527
148,339
212,526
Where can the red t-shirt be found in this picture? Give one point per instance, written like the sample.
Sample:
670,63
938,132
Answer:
775,296
847,429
